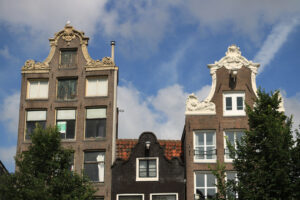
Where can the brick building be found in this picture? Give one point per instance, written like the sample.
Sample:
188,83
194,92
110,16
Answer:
78,94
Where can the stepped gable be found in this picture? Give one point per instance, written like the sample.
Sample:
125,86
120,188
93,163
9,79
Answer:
173,148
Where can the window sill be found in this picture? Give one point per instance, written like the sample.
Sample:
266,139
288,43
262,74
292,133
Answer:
37,99
147,179
95,139
62,67
94,97
68,140
71,100
234,115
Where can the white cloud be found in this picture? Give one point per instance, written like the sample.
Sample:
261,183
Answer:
274,42
5,53
7,157
292,107
9,113
162,114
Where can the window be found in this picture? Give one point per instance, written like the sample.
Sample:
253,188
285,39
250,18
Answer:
205,183
172,196
232,137
65,122
95,125
234,104
68,58
37,89
147,169
130,197
205,146
96,86
231,176
33,118
67,89
94,165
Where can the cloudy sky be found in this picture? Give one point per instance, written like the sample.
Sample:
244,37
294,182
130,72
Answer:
162,50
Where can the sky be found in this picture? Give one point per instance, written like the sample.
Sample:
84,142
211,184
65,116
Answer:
162,51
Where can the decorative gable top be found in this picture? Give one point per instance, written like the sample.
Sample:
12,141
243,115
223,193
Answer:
233,61
172,148
68,34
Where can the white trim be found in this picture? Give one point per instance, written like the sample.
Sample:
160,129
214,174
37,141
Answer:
194,145
136,194
147,178
163,194
234,111
115,121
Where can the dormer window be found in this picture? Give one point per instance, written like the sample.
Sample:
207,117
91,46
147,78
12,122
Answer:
233,104
68,58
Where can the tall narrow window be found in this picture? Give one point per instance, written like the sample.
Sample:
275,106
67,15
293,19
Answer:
232,137
163,196
205,146
94,165
130,197
37,89
95,126
96,86
233,104
67,89
33,118
68,58
232,176
65,122
205,183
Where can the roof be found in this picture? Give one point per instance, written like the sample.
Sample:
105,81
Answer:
173,148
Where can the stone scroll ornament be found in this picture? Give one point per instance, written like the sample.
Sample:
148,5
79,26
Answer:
194,106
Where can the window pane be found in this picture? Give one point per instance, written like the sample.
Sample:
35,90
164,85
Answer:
95,113
31,125
65,114
93,155
43,90
199,180
210,139
68,58
130,197
230,175
97,86
210,152
239,103
91,171
36,115
211,193
199,139
33,89
239,135
67,89
228,103
210,180
91,87
163,197
95,128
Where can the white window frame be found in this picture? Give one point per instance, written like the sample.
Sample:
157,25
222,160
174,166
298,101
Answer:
136,194
29,83
163,194
96,94
225,143
98,164
234,111
205,146
205,182
138,178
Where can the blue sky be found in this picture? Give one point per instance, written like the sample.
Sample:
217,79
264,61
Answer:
162,50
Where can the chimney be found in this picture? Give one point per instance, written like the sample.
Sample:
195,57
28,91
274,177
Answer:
112,43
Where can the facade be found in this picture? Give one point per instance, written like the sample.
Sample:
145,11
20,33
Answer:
78,94
148,169
221,114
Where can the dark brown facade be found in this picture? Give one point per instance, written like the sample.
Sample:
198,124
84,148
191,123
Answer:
148,173
3,170
80,98
220,115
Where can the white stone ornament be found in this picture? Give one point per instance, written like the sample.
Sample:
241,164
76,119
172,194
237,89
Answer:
194,107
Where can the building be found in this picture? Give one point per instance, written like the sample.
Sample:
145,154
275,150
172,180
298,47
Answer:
78,94
222,114
148,169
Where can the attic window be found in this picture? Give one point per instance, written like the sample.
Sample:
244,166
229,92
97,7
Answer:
68,58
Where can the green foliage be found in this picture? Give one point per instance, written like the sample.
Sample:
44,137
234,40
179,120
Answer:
267,158
43,172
